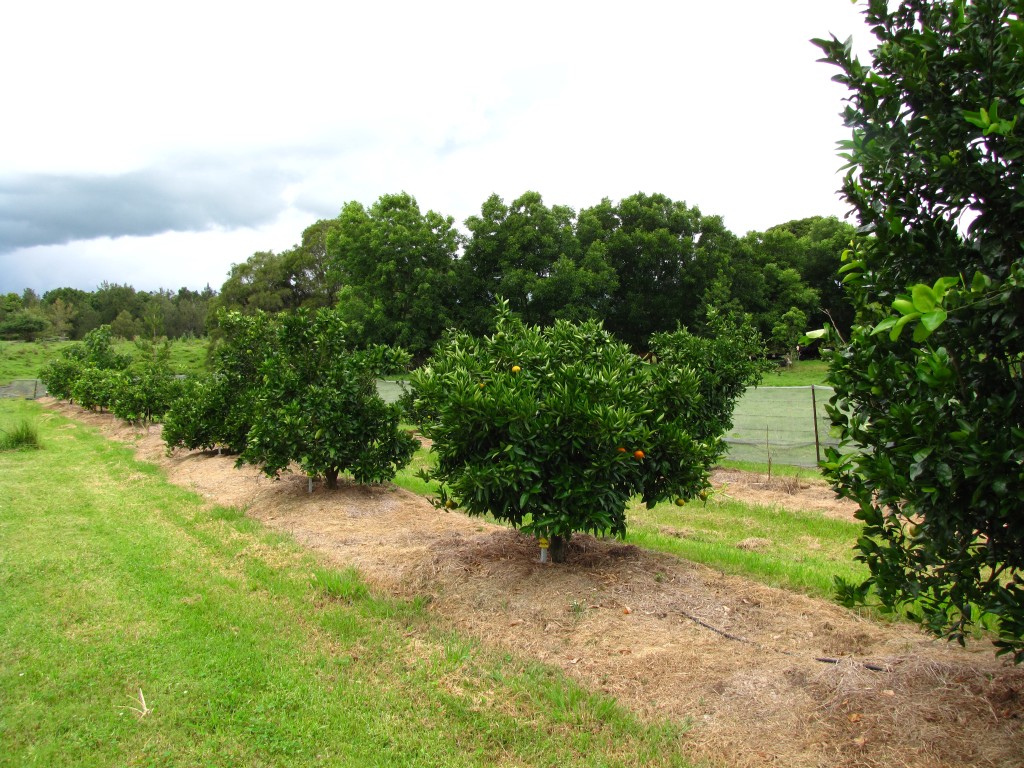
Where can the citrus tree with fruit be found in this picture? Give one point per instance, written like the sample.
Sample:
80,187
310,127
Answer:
554,429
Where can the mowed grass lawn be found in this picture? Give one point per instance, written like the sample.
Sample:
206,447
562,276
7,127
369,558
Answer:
247,651
24,360
800,551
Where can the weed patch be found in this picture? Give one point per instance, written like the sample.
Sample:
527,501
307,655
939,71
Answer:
23,435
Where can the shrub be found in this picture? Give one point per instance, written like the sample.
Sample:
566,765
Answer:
245,344
143,395
730,358
195,418
59,376
95,352
144,392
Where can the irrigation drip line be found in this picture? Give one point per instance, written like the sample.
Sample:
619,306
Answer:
763,647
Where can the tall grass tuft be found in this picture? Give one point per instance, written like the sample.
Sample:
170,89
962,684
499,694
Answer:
346,585
22,436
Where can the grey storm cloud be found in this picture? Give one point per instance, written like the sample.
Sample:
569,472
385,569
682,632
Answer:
44,209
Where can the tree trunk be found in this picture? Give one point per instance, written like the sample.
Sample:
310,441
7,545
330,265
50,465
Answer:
331,478
558,548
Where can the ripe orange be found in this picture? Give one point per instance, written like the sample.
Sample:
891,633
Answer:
639,454
620,449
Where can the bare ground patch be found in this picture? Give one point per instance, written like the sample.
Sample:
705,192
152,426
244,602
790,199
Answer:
767,677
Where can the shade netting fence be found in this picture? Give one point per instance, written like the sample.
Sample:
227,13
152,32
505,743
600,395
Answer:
23,389
784,425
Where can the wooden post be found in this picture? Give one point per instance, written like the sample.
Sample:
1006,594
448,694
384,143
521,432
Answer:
814,409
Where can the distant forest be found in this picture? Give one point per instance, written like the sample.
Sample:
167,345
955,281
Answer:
402,276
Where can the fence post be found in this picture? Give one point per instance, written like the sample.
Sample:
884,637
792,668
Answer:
814,409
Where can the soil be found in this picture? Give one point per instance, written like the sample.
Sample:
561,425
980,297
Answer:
764,676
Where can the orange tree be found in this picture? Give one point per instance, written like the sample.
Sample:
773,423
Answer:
554,429
291,389
317,404
929,399
95,352
218,410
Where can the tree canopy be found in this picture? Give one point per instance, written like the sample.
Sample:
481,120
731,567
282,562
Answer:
929,390
554,428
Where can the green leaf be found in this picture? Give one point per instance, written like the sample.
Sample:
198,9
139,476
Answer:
942,285
903,306
924,298
978,119
885,325
932,320
897,328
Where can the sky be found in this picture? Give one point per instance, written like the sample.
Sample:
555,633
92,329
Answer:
157,144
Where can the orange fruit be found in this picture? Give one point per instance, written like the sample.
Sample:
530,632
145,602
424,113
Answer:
620,449
639,454
516,369
680,502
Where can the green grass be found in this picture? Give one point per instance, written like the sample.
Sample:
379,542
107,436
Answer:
24,360
777,470
802,373
246,649
801,551
342,585
407,478
187,355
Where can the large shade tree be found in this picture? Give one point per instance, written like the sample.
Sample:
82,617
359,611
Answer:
394,265
666,257
929,391
529,253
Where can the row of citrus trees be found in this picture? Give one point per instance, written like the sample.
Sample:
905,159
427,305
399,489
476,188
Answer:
551,429
137,388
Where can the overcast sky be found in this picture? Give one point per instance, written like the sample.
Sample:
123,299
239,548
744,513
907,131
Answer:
158,144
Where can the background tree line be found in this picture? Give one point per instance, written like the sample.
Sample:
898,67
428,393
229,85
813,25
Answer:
72,313
643,265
